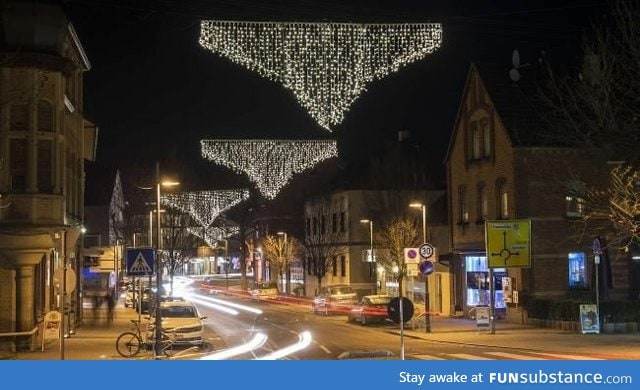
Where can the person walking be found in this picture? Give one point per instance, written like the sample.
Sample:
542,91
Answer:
111,303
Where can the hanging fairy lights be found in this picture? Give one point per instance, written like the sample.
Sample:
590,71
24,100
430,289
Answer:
213,234
205,206
270,164
326,65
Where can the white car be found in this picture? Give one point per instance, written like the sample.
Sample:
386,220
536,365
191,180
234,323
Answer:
265,290
181,318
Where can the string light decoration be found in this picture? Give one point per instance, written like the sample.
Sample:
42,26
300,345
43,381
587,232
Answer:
214,234
326,65
205,206
270,164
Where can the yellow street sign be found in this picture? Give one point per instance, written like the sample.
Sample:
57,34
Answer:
508,243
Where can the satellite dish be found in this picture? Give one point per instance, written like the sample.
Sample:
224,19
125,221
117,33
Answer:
514,74
515,58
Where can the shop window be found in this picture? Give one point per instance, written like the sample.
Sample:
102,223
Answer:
574,200
478,283
577,270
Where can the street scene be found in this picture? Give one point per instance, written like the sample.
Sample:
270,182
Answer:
319,185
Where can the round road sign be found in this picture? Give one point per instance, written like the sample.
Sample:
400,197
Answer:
426,250
393,309
426,267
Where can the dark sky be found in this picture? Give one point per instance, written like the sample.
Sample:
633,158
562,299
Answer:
155,92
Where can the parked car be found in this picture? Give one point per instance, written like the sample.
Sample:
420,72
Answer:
181,317
367,354
370,309
265,290
334,299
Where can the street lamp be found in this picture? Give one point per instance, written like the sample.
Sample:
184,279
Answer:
427,316
370,222
286,258
158,333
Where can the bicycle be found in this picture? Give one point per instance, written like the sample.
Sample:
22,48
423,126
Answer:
129,344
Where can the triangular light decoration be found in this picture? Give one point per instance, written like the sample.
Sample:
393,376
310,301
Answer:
270,164
205,206
213,234
326,65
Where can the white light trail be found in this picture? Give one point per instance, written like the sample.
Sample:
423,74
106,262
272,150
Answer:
304,342
258,340
230,304
215,307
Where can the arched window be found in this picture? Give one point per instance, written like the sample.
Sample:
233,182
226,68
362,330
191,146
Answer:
462,204
45,116
502,199
483,202
18,164
19,117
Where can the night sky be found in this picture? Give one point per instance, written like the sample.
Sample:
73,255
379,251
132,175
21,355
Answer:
155,92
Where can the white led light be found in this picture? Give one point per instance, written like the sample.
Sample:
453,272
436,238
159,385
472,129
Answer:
270,164
205,206
326,65
213,234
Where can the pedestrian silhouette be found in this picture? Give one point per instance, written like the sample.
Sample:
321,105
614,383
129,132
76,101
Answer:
111,303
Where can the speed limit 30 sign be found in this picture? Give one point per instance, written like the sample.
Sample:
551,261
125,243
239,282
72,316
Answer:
426,251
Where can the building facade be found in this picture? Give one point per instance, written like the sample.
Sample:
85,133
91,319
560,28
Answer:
44,140
499,169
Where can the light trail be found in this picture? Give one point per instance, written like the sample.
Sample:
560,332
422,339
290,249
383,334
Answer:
258,340
304,342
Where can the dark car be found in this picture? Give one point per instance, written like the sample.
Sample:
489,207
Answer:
370,309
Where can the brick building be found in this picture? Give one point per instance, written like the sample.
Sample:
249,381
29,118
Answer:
500,168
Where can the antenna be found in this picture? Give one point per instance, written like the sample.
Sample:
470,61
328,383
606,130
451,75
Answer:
514,73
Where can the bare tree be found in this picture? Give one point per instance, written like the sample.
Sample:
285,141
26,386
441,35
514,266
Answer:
178,243
321,243
599,108
399,234
280,254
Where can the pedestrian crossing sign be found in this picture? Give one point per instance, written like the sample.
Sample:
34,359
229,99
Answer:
140,261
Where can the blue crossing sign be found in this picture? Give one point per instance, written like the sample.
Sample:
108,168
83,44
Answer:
141,261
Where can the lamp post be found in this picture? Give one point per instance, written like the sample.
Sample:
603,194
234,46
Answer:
287,276
370,222
427,316
158,324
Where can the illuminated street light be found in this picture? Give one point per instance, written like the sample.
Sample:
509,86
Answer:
427,316
158,324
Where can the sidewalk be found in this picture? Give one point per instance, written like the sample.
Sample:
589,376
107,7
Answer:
95,332
459,330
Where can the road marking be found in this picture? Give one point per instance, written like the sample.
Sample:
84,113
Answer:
427,357
466,356
322,347
513,356
568,357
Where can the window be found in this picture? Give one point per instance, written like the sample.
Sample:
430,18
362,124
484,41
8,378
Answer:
575,199
44,166
45,116
462,204
343,227
323,225
502,198
334,223
483,202
343,266
334,265
486,134
577,270
315,226
19,117
18,164
476,141
308,226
